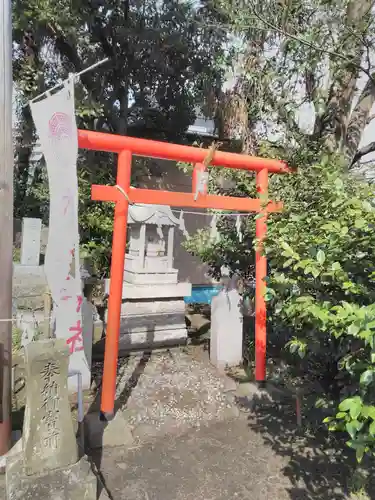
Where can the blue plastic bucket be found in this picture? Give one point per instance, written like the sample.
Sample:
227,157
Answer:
201,294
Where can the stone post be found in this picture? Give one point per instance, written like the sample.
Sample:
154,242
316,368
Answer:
30,243
226,327
170,247
48,434
48,465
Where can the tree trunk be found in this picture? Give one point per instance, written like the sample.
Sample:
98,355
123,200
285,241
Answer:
358,120
335,120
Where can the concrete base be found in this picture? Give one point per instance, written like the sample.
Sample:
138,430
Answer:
153,316
99,434
76,482
141,307
153,339
145,277
130,291
151,323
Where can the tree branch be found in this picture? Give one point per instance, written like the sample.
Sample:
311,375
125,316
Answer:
67,50
362,152
303,41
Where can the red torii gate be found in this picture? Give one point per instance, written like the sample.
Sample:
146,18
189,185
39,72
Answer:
122,194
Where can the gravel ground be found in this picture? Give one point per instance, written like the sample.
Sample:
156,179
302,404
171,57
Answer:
168,392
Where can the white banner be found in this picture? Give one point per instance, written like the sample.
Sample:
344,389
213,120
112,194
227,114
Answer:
55,123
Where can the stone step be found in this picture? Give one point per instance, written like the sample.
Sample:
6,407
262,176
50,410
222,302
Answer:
153,338
151,323
152,306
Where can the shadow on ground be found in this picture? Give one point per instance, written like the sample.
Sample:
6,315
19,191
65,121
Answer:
319,466
120,402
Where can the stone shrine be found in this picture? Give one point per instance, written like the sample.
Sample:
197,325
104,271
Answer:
153,309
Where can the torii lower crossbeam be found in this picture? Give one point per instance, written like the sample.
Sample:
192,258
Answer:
122,194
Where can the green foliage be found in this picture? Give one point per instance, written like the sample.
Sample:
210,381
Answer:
16,339
289,57
16,254
321,253
160,68
321,283
160,59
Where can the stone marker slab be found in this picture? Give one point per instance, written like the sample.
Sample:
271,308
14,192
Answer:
49,440
75,482
226,329
30,243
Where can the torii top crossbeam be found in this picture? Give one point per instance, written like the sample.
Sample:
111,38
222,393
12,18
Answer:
167,151
123,194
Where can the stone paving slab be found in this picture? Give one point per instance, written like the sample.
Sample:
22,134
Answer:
191,441
226,460
222,461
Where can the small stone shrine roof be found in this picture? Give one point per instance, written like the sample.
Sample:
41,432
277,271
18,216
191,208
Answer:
159,215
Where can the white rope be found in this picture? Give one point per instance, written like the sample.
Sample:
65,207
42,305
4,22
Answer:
238,228
182,225
218,213
119,188
22,320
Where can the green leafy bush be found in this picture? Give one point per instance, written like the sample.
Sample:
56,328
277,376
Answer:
321,284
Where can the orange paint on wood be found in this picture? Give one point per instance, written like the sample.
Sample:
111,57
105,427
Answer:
154,196
116,283
260,284
155,149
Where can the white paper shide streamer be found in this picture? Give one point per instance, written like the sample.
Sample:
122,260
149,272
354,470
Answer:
182,225
54,119
214,233
238,228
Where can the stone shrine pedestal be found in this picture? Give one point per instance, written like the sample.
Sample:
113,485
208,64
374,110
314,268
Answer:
153,309
153,315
